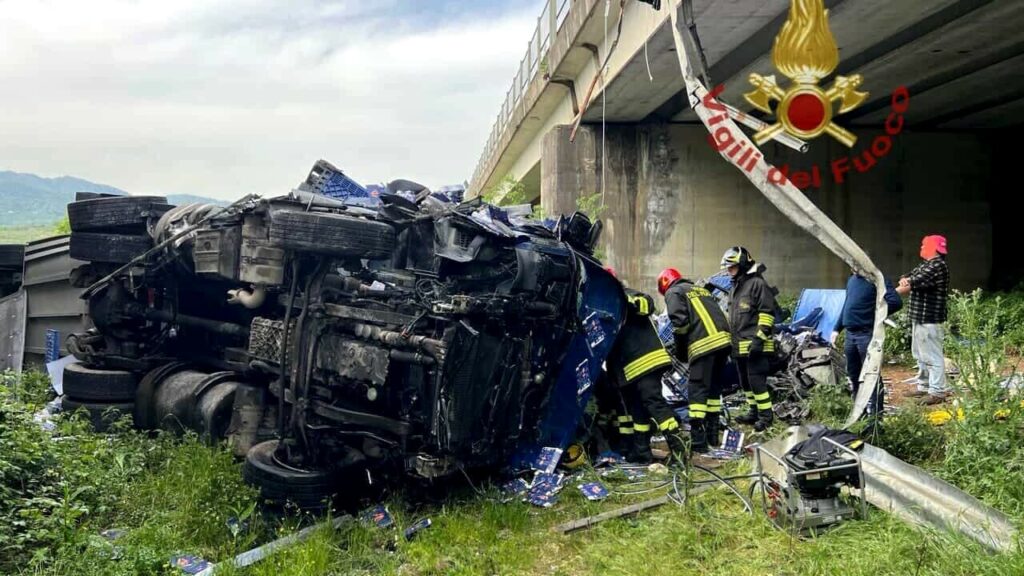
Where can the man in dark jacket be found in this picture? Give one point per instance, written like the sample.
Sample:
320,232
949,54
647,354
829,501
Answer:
751,318
702,339
858,319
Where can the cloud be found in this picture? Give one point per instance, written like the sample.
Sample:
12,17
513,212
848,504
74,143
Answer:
226,97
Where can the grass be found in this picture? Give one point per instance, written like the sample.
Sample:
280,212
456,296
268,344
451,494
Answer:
24,234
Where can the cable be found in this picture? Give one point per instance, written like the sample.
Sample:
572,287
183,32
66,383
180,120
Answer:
746,503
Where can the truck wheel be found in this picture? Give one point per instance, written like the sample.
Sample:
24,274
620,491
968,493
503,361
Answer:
102,415
117,213
105,247
307,489
94,384
12,256
334,234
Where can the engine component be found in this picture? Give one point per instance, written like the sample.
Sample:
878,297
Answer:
252,298
265,337
353,360
260,263
808,498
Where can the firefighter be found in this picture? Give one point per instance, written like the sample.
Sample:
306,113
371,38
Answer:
638,361
702,339
751,317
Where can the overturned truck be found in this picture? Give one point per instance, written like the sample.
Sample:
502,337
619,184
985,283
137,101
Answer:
337,344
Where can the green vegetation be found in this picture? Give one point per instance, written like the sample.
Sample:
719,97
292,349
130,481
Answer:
176,495
506,192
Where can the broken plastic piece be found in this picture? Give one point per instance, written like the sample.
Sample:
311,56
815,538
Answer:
548,459
594,491
379,516
419,525
732,440
189,564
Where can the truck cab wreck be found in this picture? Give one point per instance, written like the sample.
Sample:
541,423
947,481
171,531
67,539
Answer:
337,344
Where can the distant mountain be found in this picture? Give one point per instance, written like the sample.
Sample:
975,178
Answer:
27,199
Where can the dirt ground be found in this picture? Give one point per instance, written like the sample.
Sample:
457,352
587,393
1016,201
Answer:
896,390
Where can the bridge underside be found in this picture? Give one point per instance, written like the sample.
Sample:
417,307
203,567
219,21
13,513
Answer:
670,200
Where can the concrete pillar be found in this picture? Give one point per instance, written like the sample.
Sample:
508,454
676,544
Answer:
670,200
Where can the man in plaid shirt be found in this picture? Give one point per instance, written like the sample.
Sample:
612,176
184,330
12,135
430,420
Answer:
928,287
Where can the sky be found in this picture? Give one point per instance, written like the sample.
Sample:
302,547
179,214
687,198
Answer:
222,98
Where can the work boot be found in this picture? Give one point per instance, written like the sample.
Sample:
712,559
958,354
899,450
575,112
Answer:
640,452
698,435
713,430
764,420
750,417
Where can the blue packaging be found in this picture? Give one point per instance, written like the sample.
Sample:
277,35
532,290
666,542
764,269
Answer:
594,491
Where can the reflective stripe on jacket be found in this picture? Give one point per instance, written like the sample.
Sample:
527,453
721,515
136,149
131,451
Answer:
638,349
751,311
697,321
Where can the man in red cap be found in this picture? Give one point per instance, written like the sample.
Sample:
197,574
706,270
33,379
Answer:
928,287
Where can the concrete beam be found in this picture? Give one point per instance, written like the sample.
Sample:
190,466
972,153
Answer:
866,26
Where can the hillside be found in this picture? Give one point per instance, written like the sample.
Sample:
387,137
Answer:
30,200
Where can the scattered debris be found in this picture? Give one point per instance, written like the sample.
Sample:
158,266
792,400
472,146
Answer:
594,491
378,516
419,525
624,511
190,564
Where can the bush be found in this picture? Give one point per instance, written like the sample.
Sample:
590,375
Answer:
909,436
896,347
60,489
830,405
985,452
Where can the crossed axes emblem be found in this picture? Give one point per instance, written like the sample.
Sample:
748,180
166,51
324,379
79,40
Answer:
807,103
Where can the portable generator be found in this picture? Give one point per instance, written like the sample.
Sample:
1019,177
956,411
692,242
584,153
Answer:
806,496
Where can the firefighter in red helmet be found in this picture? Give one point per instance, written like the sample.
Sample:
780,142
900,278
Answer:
702,339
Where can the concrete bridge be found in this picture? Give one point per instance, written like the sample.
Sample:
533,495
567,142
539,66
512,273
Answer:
666,196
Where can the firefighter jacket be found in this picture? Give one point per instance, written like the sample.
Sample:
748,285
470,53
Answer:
751,311
698,323
638,349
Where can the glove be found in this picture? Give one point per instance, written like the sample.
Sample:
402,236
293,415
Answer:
756,347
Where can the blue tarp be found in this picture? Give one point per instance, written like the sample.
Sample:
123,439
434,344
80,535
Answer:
822,303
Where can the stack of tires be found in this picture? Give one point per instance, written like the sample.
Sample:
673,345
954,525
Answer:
106,395
112,229
12,260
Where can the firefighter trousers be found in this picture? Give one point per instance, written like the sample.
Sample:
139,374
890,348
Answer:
753,374
650,406
704,386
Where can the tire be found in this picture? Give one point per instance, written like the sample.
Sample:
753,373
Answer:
93,384
12,256
309,490
106,247
333,234
93,195
102,415
117,213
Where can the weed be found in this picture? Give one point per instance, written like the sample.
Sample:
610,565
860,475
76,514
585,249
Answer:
909,436
830,404
985,453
